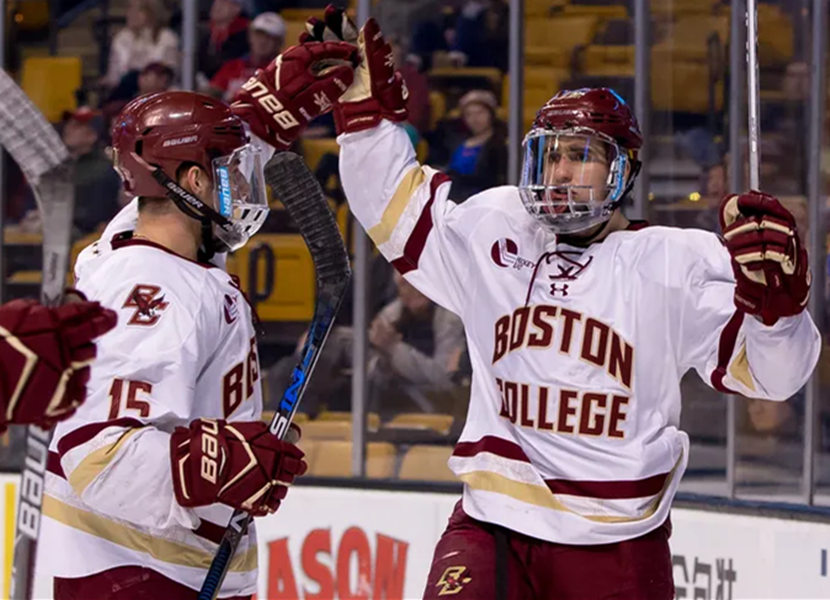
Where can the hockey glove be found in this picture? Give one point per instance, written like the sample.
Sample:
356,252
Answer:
45,355
239,464
302,83
770,265
378,91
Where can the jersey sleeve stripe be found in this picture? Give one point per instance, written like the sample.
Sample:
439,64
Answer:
412,180
418,238
726,346
159,548
85,433
95,463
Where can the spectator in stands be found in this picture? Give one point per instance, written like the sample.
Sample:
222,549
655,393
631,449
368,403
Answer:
225,36
416,346
266,36
433,32
479,162
481,34
155,77
97,186
144,40
329,388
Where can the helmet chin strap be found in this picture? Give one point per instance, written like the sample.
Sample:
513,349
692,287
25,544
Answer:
194,208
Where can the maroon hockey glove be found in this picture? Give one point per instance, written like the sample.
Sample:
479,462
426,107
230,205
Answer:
379,91
44,359
239,464
770,265
302,83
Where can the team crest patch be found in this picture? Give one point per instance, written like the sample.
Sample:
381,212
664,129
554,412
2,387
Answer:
505,253
452,581
148,302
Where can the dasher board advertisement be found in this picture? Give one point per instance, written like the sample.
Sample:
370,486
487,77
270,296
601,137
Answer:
351,543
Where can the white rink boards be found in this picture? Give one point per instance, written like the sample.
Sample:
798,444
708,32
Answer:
345,543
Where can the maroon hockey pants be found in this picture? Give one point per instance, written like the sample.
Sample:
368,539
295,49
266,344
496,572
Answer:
465,566
125,583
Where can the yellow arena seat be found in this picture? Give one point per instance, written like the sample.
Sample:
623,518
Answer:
51,83
276,272
328,430
425,462
437,107
373,419
333,458
315,148
436,421
293,28
606,11
564,32
608,61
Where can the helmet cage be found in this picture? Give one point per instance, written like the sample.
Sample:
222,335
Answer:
576,205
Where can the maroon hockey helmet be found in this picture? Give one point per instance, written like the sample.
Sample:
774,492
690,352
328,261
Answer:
573,132
154,135
598,109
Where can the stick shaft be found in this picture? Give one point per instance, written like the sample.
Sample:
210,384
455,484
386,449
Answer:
753,94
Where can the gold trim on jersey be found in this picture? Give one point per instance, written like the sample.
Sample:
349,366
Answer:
94,463
159,548
411,181
30,361
540,495
739,369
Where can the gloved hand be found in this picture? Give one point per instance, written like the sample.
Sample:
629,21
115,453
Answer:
238,464
45,355
770,265
378,91
302,83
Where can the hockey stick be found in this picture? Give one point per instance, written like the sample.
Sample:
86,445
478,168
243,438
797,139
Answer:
753,89
299,191
42,156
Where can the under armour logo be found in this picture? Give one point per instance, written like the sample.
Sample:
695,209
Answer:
558,290
322,101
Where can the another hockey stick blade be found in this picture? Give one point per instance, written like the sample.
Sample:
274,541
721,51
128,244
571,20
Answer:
40,153
299,191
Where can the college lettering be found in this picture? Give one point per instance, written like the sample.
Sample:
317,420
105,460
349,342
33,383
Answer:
563,411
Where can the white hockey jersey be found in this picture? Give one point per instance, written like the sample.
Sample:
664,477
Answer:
184,347
572,431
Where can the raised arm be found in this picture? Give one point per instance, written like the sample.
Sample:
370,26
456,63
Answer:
744,318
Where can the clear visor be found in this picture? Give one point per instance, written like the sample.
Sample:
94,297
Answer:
240,195
570,181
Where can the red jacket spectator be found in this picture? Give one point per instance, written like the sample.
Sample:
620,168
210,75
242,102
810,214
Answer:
225,38
265,38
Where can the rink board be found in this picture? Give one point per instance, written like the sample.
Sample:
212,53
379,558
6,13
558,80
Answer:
350,543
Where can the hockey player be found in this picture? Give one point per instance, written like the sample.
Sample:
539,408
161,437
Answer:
45,355
143,479
580,324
